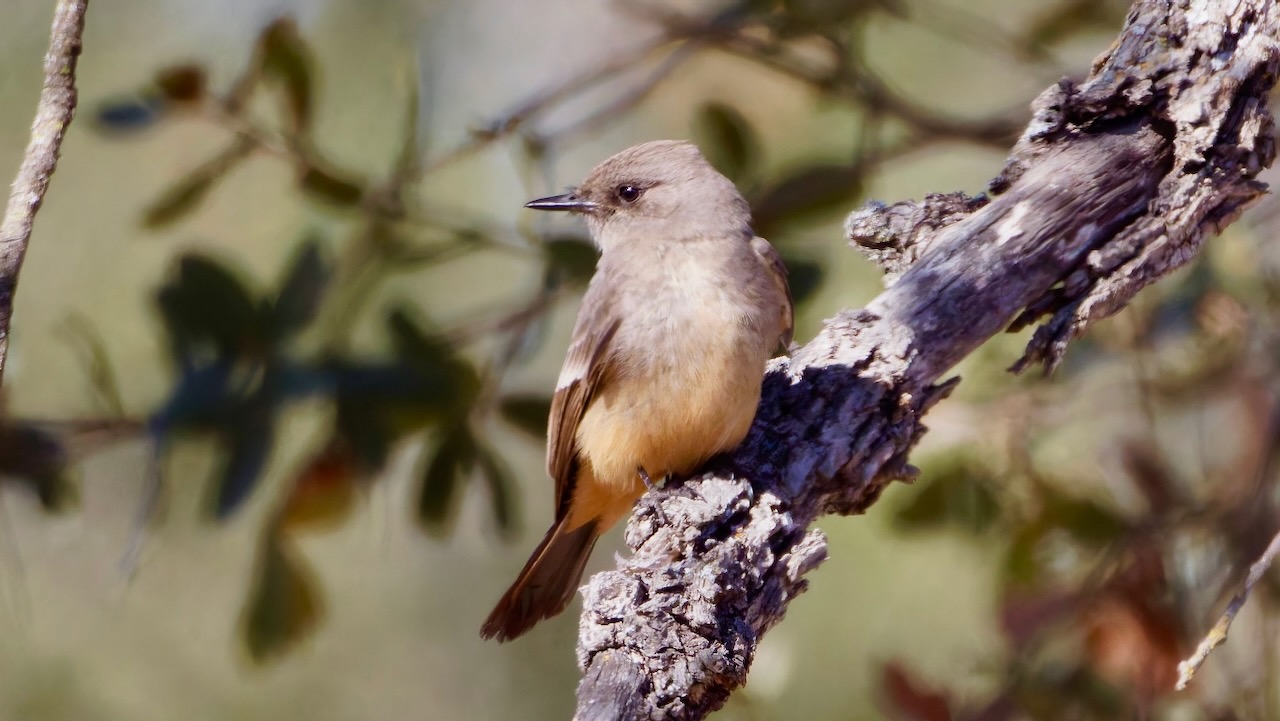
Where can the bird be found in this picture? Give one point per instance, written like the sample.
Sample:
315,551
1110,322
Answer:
666,360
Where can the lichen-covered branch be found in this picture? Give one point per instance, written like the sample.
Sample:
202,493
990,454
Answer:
56,108
1116,182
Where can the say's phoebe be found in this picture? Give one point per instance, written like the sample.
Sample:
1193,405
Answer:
668,353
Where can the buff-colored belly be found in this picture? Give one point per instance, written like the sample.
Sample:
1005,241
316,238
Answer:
668,421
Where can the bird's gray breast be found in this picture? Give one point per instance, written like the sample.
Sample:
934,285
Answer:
685,305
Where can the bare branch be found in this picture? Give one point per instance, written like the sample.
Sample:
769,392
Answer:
1218,634
53,115
1115,183
514,119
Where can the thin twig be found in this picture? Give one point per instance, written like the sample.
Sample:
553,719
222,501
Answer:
510,121
56,108
146,513
1218,634
841,76
862,87
629,99
512,322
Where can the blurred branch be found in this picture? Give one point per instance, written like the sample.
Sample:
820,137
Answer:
513,120
840,74
742,33
628,100
54,112
1218,634
1114,184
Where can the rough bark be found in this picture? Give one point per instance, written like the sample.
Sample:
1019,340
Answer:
56,108
1116,182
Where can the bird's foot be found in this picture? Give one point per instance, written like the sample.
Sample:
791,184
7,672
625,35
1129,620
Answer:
649,485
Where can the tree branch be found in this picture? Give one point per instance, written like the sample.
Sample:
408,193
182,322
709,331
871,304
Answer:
1217,635
1115,183
56,108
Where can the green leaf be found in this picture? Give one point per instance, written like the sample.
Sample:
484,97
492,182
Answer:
571,260
186,195
1022,563
432,356
179,200
927,509
454,459
498,478
1070,689
383,390
973,507
29,451
411,341
528,413
730,143
380,402
955,496
409,160
804,277
37,460
284,606
207,305
330,187
287,59
302,289
812,191
801,18
246,452
1087,522
57,492
201,399
1063,20
362,423
1062,520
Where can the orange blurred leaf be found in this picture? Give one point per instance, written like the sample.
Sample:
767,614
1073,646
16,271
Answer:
909,700
1133,645
182,83
324,492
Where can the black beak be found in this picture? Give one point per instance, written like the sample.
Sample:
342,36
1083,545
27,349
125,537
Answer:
569,201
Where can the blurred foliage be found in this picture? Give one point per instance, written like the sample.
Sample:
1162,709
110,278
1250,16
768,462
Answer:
284,605
242,358
1100,601
1099,596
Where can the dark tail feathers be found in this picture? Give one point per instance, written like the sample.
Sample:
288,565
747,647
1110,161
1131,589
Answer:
547,583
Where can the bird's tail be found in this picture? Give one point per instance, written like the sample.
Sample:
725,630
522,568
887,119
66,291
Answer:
547,583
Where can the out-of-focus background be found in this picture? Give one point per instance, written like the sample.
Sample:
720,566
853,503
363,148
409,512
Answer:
284,275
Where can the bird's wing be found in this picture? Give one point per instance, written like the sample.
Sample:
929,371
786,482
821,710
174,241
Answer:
778,273
585,367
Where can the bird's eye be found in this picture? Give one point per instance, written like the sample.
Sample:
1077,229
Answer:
629,193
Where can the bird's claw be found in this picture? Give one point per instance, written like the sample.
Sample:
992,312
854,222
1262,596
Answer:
649,485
